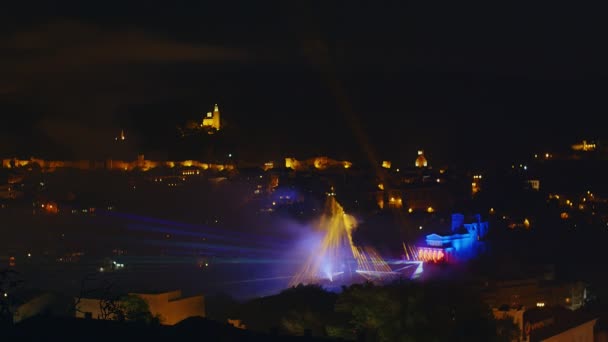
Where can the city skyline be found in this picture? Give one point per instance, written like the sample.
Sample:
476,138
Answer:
302,80
315,170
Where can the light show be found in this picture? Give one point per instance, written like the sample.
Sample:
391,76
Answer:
322,252
335,258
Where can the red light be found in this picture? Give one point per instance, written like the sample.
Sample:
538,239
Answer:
431,255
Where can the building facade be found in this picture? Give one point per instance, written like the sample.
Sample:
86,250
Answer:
170,307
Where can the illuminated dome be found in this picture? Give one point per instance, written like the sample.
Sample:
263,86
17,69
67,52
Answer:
421,160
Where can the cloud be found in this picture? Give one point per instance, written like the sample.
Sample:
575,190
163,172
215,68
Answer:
71,74
64,66
76,139
72,46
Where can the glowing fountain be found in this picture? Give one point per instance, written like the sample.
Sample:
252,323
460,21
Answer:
335,256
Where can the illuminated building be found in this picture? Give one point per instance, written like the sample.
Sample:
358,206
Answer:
50,207
418,189
291,163
386,164
558,324
389,198
533,292
534,184
321,163
543,310
118,165
550,324
268,166
9,192
395,198
395,202
237,323
316,163
464,241
190,172
476,184
171,307
421,160
212,120
584,146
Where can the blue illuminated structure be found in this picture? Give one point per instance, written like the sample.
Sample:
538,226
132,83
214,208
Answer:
463,242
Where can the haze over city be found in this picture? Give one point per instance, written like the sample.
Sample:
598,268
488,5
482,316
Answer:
254,170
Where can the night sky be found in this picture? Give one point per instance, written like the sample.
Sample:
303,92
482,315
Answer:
347,79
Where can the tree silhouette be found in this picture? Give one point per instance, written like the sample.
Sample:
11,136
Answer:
382,313
85,291
115,306
405,311
221,307
136,309
295,310
109,304
297,322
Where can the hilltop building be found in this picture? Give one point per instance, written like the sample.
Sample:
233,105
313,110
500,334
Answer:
421,160
584,146
318,163
211,121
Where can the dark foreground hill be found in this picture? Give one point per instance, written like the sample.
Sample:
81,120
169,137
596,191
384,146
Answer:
192,329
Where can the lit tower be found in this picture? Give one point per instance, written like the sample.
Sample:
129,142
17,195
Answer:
212,119
216,117
421,160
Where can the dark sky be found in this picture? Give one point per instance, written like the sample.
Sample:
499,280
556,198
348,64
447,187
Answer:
343,78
